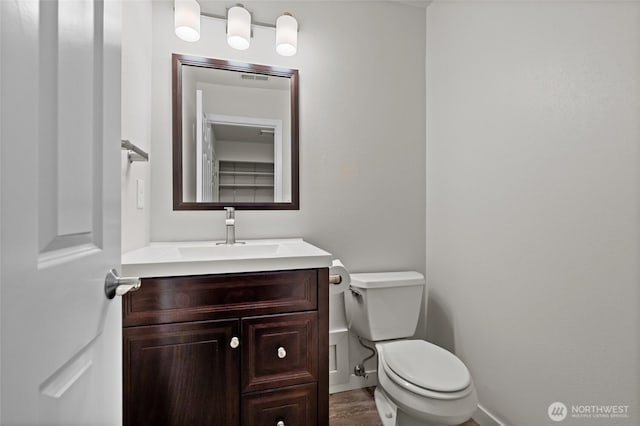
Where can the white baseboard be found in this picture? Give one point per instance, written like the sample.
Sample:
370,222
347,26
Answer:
356,382
485,418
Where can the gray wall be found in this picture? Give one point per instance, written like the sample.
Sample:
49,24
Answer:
362,109
136,118
533,211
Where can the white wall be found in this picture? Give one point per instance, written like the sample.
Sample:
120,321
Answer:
533,211
136,118
247,102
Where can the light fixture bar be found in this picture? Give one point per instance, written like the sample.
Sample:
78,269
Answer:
253,23
224,18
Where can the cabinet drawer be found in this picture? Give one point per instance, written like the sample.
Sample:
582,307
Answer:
279,350
204,297
294,406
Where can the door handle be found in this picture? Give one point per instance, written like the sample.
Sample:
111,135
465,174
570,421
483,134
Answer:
115,285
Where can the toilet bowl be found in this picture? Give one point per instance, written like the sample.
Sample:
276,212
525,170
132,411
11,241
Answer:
419,383
422,384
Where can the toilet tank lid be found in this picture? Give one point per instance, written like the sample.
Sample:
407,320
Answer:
387,279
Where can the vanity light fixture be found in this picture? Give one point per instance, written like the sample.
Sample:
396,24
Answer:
187,19
286,35
238,27
239,22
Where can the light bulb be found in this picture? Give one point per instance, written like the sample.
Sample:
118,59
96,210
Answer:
239,28
286,35
187,20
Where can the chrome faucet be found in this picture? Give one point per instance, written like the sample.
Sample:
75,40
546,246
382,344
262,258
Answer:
231,225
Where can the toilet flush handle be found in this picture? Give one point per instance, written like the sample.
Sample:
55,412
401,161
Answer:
355,292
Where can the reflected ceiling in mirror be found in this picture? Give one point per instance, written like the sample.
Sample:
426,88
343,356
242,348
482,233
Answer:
235,135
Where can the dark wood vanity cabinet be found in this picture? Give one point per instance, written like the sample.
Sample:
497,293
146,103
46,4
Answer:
245,349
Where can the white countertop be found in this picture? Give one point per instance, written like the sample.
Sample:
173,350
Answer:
163,259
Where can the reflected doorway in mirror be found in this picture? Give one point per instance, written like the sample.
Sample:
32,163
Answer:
238,159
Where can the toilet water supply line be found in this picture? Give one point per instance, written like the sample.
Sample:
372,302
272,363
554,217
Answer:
359,370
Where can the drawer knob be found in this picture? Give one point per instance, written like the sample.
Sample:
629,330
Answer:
282,353
280,423
234,342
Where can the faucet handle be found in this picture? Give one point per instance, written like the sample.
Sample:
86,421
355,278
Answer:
231,216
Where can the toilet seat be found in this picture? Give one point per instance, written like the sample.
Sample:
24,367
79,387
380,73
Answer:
425,369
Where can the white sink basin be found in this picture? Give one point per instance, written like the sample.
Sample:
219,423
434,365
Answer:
208,257
223,251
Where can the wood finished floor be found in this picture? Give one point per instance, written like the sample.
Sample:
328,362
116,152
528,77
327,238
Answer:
357,408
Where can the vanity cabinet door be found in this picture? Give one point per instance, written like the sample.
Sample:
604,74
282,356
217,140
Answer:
182,374
293,406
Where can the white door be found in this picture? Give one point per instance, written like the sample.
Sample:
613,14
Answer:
60,212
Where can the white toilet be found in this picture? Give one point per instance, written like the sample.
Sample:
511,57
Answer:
418,383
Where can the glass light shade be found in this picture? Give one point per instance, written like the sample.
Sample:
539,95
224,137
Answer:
286,35
187,19
239,28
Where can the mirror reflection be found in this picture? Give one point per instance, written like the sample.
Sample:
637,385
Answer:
237,144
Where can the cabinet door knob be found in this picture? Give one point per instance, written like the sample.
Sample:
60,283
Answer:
235,342
281,354
280,423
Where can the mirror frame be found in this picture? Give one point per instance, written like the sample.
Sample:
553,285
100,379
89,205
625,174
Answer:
176,69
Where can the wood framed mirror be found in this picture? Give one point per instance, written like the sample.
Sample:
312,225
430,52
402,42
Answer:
235,135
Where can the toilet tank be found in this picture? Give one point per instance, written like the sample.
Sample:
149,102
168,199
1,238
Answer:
384,305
